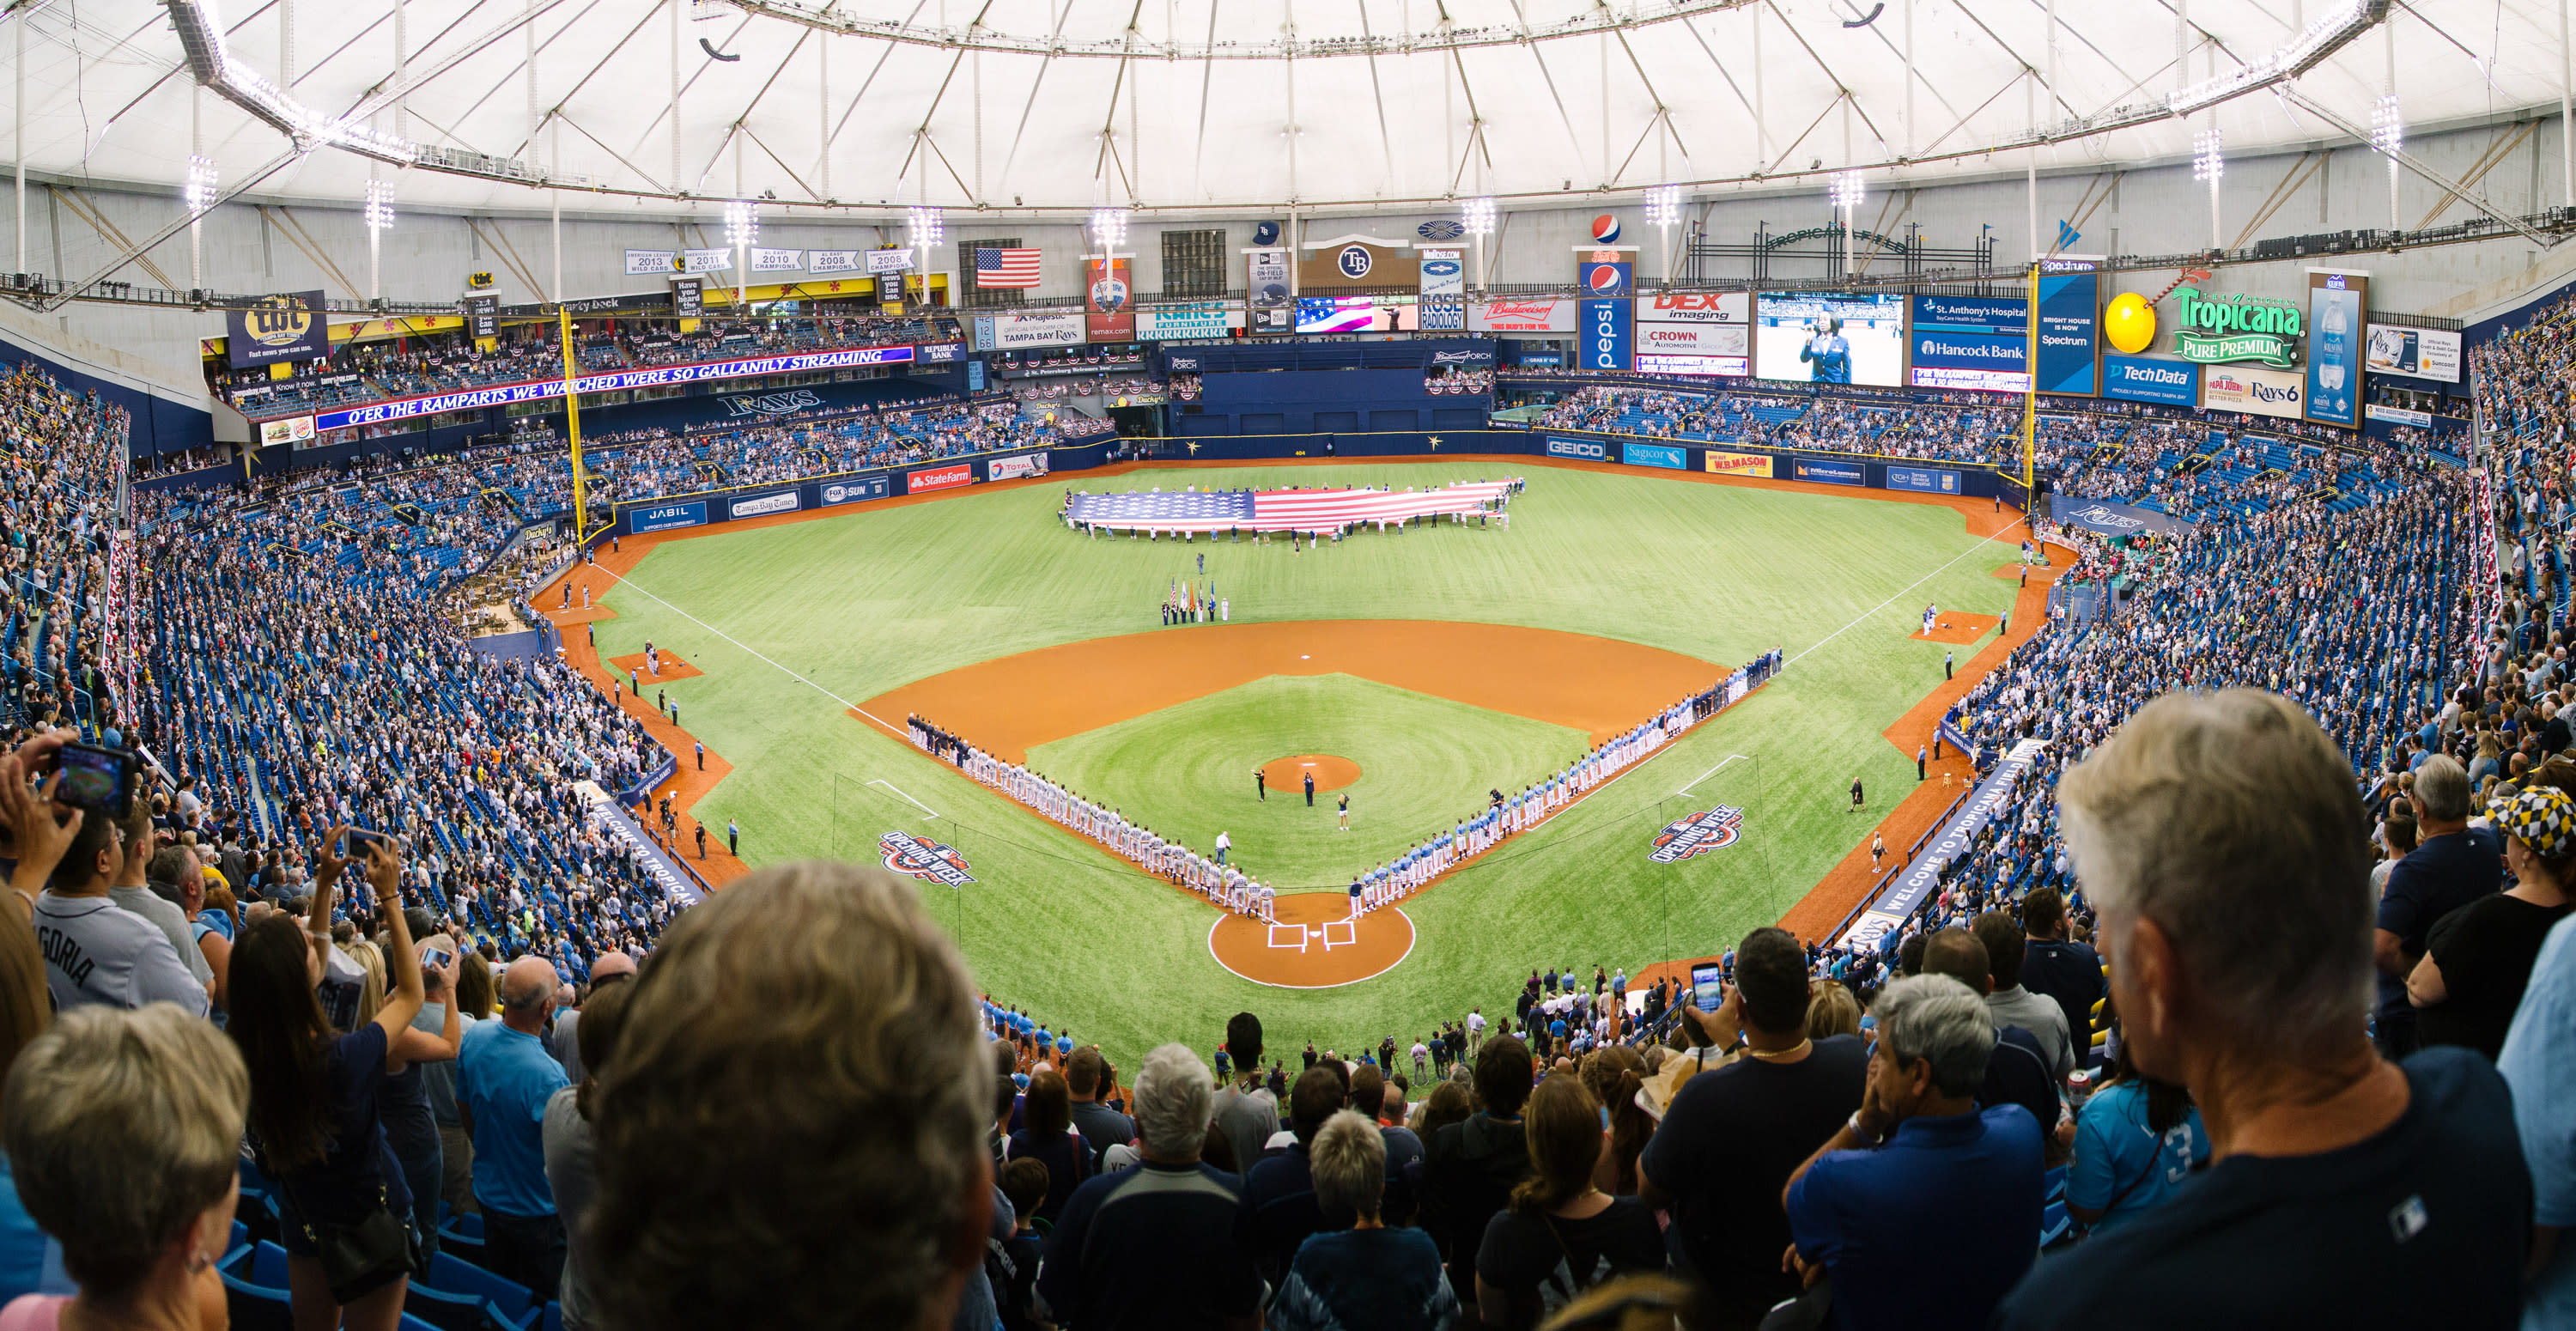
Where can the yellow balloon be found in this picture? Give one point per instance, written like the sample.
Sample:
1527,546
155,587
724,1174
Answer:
2130,322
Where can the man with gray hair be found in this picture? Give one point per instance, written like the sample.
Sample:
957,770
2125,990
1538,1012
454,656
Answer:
1155,1245
504,1076
2452,865
1919,1158
2223,845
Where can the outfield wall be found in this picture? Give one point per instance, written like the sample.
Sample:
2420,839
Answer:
1646,456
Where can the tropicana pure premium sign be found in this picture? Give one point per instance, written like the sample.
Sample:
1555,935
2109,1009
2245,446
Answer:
2238,328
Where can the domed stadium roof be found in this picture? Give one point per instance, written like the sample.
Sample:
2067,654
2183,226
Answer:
1206,105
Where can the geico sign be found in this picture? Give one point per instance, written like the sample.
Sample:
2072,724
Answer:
1573,448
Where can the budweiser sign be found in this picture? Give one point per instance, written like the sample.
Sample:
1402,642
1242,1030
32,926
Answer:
1541,315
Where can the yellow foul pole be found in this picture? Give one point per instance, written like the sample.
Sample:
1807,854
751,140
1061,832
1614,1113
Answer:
572,426
2030,402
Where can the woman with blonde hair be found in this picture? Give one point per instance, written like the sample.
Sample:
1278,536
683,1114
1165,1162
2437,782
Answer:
1560,1234
1831,1011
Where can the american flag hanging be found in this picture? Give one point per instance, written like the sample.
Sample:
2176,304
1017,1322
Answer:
1006,268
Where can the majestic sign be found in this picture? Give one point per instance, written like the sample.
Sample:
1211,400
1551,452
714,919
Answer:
2239,328
2257,392
926,860
289,326
2423,353
2336,305
1698,834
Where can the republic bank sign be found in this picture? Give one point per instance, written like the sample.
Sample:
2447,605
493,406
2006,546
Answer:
2239,328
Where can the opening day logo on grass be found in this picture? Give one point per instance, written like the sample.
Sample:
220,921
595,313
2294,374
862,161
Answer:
2239,328
926,860
1699,832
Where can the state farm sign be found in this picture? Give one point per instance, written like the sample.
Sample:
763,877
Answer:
1707,323
1542,315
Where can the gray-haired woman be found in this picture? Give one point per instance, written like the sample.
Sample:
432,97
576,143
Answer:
123,1135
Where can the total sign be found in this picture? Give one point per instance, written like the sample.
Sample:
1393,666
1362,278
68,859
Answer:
1604,328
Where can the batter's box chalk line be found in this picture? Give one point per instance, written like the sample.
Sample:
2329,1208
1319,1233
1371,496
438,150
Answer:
1296,936
1350,934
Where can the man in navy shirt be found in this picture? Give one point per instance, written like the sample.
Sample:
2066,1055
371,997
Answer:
2452,865
2222,844
1279,1208
1923,1208
1154,1245
2056,968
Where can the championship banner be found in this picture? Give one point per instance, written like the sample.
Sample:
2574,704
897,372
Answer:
1696,333
1355,263
1109,311
1541,314
289,326
647,263
1725,463
827,262
1444,291
706,261
777,261
2337,330
2257,392
2421,353
1266,282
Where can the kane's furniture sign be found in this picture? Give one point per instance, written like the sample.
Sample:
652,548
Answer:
1169,322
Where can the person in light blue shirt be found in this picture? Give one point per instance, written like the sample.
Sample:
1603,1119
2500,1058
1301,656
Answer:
2539,1063
2136,1141
504,1077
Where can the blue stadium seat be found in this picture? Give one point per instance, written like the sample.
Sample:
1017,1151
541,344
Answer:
510,1298
255,1307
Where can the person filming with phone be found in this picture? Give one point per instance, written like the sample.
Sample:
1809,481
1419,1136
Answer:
69,856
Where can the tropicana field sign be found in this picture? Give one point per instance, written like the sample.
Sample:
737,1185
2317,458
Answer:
2239,328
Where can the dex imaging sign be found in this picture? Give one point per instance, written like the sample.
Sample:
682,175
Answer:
1695,333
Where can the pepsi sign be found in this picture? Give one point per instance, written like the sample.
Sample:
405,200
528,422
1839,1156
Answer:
1604,327
1605,230
1606,279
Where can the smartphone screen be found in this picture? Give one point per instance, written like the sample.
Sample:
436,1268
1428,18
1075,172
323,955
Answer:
436,958
93,778
358,839
1708,987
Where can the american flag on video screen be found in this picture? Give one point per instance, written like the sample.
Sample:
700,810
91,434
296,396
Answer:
1006,268
1276,510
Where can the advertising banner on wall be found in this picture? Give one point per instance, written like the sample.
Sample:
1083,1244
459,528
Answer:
292,431
2147,379
940,478
1725,463
2337,335
1011,469
1604,328
852,491
1356,263
1108,302
2254,390
2237,327
1825,338
1266,274
1924,480
1541,314
785,501
291,325
1444,291
2423,353
1012,332
2070,331
1654,455
664,517
1828,473
1167,322
1590,450
1696,332
1604,274
1971,342
2421,420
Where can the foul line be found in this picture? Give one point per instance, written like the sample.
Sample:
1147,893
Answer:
933,813
1713,771
893,730
1982,543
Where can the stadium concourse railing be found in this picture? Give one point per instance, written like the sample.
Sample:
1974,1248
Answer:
1455,847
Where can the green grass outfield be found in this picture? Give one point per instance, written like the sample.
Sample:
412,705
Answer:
1423,762
793,622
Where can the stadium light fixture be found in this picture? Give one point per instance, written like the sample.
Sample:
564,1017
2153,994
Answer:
1847,188
2208,155
2387,126
2330,33
742,223
1109,228
926,225
201,189
1477,216
380,205
1664,206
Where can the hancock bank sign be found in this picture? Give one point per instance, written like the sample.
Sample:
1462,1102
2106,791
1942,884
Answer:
2239,328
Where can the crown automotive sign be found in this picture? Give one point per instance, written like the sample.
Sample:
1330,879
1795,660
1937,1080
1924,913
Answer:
2239,328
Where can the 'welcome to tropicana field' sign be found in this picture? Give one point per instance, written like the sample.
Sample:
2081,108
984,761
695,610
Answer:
2239,328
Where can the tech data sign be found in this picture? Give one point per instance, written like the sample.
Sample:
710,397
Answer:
2239,328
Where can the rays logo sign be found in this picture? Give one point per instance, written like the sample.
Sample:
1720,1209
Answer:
1697,833
926,860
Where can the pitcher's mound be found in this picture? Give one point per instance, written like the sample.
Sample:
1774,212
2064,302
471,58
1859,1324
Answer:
1289,774
1314,945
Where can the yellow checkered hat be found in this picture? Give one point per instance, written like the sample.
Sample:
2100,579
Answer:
2543,818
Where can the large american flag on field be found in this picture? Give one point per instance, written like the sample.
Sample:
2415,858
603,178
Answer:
1006,268
1276,510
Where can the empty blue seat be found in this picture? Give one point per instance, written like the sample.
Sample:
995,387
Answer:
255,1307
450,1272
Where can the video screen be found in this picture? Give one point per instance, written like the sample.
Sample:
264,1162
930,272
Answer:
1708,988
1829,338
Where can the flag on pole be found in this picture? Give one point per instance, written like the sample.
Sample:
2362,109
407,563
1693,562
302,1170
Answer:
1006,268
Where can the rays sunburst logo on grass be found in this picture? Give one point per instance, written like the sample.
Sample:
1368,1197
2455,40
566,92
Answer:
1699,832
927,860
